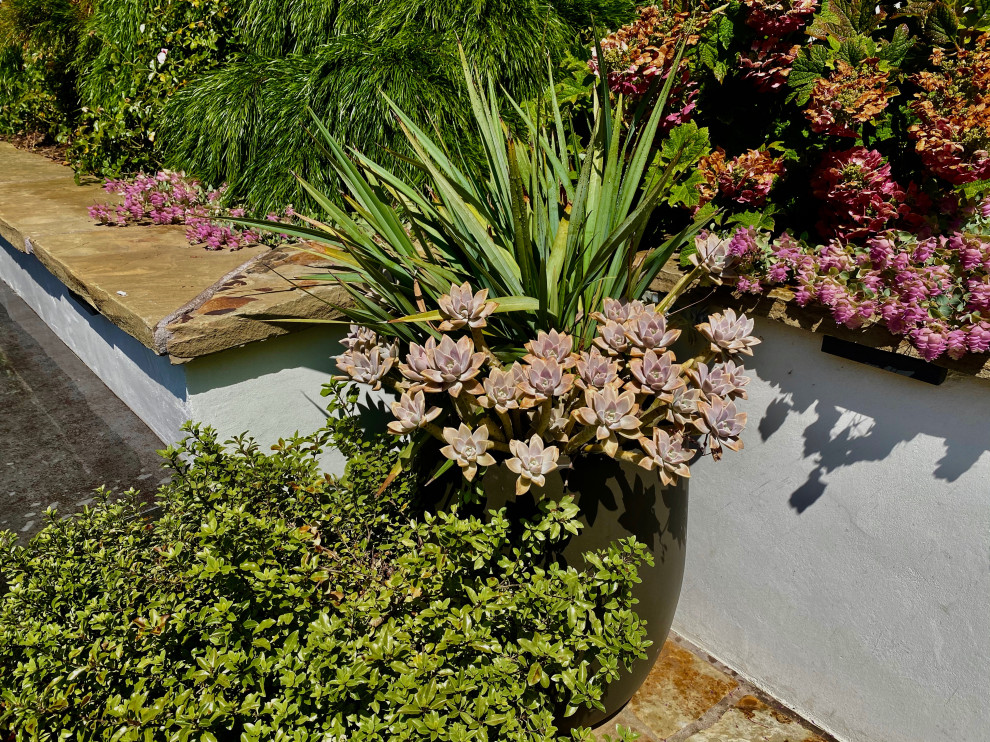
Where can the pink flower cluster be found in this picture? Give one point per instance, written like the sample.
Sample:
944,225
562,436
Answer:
935,290
777,18
859,195
769,61
169,197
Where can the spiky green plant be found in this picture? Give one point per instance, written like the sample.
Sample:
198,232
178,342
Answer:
543,229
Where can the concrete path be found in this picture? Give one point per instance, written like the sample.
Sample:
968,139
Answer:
62,432
690,697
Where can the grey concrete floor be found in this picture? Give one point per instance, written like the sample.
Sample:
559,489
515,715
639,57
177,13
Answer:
63,433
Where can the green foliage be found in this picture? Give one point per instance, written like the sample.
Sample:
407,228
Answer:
341,60
269,602
125,78
540,229
38,39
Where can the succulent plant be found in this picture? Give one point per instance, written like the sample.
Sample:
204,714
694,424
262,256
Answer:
532,462
666,453
552,346
612,414
633,401
655,374
728,333
648,331
722,423
467,448
595,371
462,308
454,367
543,379
502,389
410,413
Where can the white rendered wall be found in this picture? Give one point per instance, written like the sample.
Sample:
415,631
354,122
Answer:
147,383
271,388
842,559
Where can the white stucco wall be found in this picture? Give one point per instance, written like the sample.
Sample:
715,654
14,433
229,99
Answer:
842,559
271,388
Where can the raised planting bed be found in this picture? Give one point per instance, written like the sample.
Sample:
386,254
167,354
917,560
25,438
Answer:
177,332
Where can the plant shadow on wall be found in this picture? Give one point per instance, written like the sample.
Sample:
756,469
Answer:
864,414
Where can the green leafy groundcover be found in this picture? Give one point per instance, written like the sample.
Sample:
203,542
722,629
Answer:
269,602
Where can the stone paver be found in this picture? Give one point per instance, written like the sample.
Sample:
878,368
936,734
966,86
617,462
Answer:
62,432
690,698
680,689
751,720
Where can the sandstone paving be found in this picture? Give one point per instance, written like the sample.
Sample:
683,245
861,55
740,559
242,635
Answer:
689,697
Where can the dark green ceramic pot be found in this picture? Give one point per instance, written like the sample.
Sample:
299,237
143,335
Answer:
617,500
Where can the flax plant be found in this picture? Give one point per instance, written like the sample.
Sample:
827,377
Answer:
547,229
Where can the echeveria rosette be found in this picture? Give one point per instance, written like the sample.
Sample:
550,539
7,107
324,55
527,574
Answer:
649,331
596,371
410,413
502,391
532,462
726,380
468,449
454,367
464,308
729,333
542,380
667,454
551,346
655,374
612,415
722,423
368,368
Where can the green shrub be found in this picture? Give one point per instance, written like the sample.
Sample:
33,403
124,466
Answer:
268,602
124,78
38,39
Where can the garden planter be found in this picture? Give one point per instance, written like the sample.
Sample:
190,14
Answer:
617,500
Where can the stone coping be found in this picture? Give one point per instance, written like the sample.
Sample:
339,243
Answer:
176,299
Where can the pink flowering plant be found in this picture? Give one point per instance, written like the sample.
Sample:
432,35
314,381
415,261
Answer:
933,288
840,148
171,197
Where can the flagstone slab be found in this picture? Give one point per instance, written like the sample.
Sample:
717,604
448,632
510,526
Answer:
751,720
680,688
148,280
